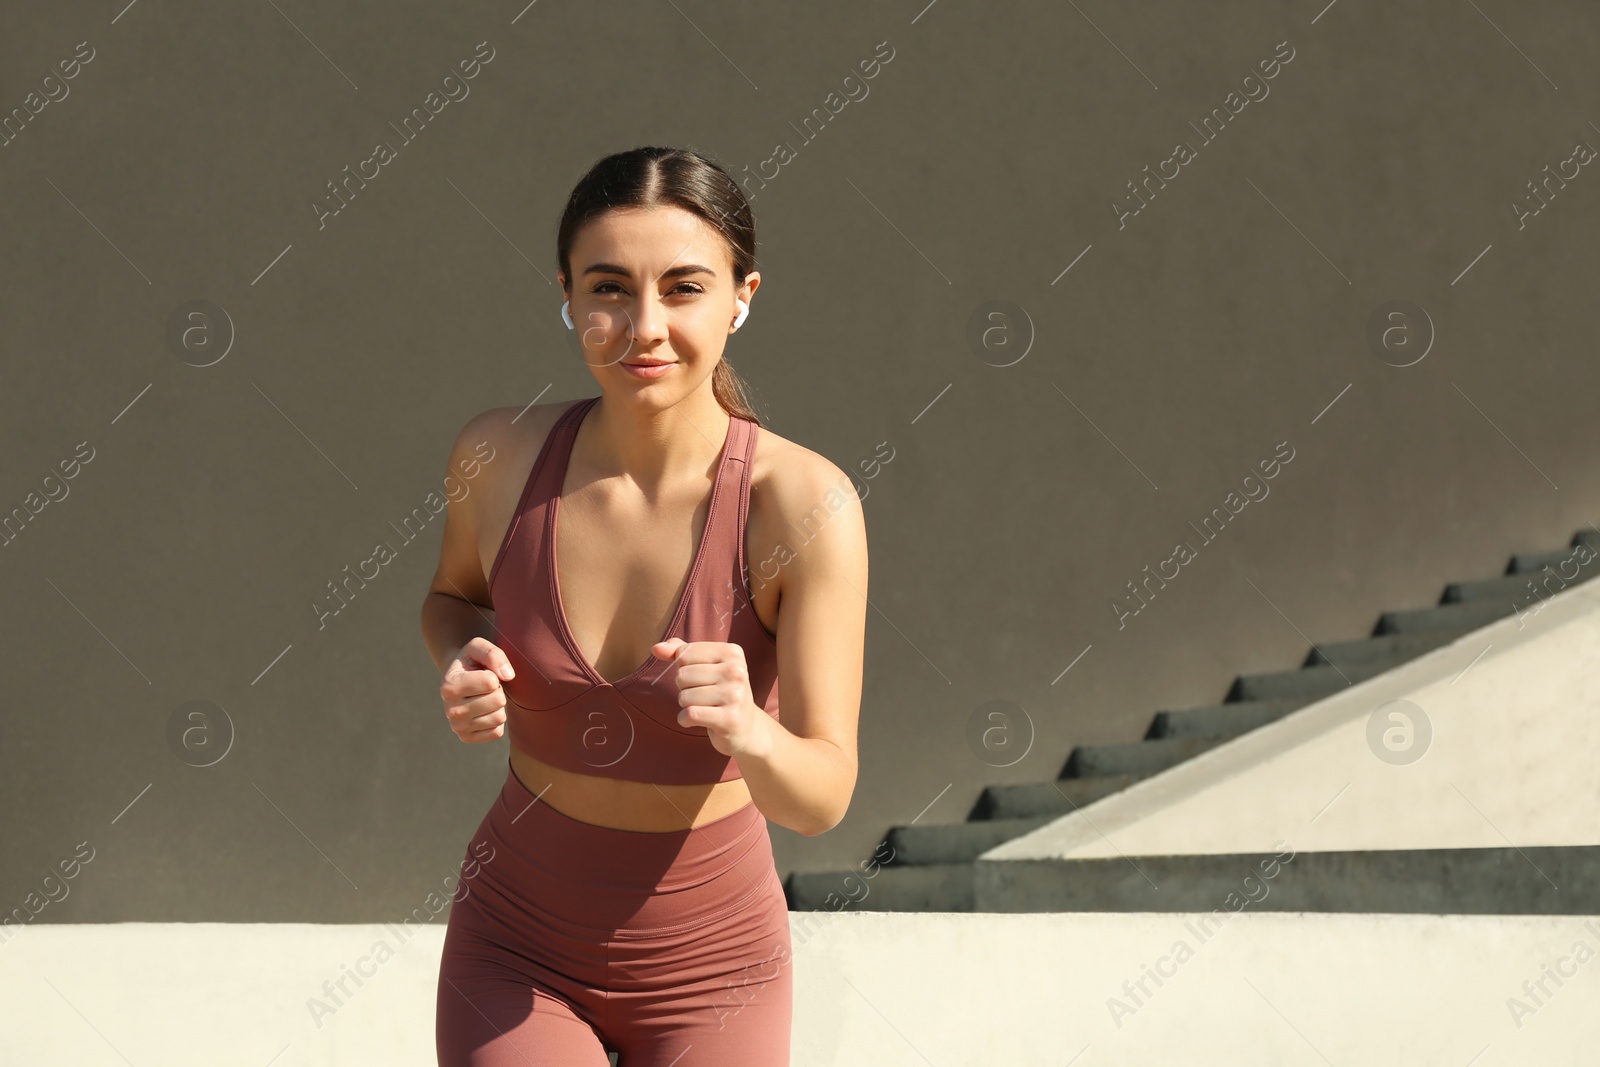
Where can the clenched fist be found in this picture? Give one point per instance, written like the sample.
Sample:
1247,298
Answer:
474,703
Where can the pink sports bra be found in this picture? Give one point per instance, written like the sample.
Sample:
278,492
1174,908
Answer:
558,708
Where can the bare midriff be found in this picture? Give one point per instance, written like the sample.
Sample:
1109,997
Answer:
627,805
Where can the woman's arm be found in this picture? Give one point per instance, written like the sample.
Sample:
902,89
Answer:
801,773
454,611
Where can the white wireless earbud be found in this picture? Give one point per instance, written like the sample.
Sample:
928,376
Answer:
566,316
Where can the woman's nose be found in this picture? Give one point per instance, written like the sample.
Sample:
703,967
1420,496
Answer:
649,319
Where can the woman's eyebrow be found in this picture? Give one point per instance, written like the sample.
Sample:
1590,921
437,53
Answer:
671,272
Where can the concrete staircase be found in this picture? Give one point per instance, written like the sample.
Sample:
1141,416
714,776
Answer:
931,868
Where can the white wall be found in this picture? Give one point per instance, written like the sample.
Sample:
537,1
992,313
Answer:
871,988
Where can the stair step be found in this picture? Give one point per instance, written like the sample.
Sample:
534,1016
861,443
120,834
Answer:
1026,800
1469,613
1307,683
1537,561
1533,561
1134,757
1526,586
1221,720
926,887
1392,648
1444,881
960,842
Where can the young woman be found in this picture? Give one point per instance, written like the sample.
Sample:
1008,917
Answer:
653,561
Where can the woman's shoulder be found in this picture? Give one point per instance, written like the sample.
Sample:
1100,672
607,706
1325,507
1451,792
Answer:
785,467
796,494
513,428
505,441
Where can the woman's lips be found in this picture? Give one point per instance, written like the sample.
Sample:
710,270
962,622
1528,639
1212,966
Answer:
647,371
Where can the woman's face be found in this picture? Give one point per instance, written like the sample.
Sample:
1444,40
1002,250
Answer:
652,298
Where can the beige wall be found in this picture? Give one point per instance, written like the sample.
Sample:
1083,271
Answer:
1184,345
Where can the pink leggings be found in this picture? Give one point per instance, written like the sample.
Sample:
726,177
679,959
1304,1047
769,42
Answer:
568,940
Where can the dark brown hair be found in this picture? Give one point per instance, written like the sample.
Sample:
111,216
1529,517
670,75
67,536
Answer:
652,177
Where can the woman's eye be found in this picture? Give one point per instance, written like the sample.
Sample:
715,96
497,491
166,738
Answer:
685,288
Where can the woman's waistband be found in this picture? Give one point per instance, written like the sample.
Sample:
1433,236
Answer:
599,858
